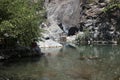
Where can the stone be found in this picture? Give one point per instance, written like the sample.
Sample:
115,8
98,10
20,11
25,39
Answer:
49,44
65,14
52,31
101,5
71,38
64,11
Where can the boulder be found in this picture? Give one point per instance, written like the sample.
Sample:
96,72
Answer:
71,38
52,31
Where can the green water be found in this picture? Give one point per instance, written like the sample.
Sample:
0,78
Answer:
83,63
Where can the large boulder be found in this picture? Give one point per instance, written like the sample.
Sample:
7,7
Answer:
52,32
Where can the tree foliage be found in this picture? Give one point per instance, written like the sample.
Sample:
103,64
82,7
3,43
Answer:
21,19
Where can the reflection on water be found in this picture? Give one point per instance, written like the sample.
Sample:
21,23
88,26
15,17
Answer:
98,63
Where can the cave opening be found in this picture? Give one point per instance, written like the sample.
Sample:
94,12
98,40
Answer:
72,31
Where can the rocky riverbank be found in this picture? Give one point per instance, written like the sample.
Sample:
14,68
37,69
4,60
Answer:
18,52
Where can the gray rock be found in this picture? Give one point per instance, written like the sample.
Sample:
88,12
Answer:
64,11
71,13
49,44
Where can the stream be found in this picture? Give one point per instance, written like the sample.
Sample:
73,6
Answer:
100,62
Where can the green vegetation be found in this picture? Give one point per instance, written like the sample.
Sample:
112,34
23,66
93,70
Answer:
114,4
20,19
83,39
112,11
111,7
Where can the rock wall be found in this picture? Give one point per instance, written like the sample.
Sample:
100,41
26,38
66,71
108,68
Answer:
69,13
85,15
65,12
102,24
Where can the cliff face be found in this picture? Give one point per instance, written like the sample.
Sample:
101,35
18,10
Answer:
68,12
65,12
101,24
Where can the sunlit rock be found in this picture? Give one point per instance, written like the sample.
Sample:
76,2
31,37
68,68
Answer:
49,44
71,38
63,11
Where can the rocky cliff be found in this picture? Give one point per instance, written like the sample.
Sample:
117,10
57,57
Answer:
66,12
99,18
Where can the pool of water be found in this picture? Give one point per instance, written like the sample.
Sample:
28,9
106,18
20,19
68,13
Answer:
80,63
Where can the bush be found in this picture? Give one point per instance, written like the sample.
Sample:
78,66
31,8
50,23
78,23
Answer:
21,19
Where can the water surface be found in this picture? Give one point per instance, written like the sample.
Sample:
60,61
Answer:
81,63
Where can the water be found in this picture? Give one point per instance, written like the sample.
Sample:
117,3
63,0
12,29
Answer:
82,63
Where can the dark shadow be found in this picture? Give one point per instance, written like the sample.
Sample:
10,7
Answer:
72,31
